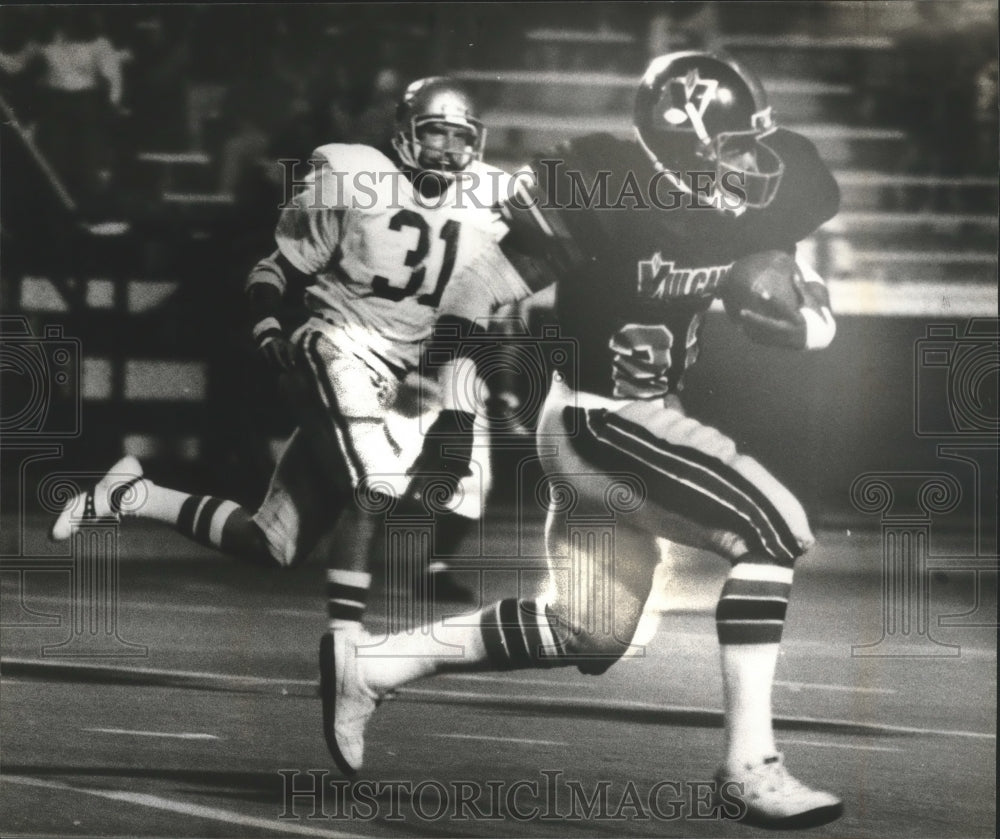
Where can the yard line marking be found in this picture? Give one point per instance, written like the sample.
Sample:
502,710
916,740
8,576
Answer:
797,686
478,677
137,605
179,735
197,811
569,703
282,612
155,671
784,742
501,739
180,608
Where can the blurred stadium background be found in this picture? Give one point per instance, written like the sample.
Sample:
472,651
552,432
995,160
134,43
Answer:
131,222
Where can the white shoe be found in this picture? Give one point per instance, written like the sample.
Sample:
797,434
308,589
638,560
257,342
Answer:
348,702
101,501
774,799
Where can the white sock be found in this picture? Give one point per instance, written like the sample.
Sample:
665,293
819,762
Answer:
747,677
397,659
150,501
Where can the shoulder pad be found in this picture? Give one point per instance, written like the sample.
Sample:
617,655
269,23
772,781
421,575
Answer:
529,209
811,193
352,158
536,226
488,186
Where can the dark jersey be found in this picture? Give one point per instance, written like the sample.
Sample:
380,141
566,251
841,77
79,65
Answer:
637,263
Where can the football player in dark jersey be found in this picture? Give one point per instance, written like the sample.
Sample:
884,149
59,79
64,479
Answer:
639,237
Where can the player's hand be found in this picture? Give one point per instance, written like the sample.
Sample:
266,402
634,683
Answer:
768,295
778,332
446,458
278,354
276,350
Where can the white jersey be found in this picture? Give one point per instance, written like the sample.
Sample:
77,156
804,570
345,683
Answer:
381,254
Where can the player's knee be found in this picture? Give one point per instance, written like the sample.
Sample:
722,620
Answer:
797,521
784,510
714,443
806,541
686,431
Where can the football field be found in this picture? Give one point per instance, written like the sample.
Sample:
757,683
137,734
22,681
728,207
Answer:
203,718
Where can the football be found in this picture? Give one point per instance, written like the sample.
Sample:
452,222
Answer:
765,284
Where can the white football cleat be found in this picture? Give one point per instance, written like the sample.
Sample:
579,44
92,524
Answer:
101,501
775,800
348,702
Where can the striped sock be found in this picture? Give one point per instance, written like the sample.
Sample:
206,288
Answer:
346,597
519,634
749,620
752,605
202,518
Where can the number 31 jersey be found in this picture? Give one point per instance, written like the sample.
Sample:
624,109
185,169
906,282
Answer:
637,263
379,252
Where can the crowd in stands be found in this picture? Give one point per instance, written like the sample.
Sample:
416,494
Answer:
254,83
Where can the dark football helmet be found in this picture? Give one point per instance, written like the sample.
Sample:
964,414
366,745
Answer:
436,128
695,110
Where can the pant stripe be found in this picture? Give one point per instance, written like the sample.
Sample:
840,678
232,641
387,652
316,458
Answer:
713,486
677,468
674,479
329,399
771,517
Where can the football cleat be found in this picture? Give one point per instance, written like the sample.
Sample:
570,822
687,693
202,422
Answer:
101,501
348,702
775,800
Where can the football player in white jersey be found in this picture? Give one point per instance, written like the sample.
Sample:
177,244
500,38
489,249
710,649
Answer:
375,240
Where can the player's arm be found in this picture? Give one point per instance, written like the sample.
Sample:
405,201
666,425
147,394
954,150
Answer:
266,287
492,280
307,235
780,301
467,306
